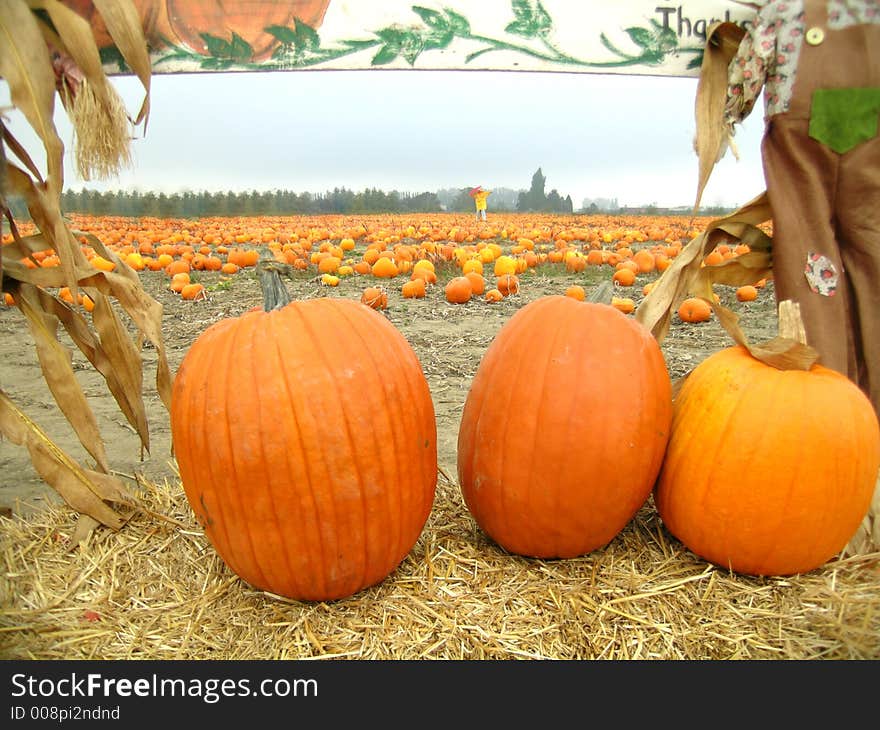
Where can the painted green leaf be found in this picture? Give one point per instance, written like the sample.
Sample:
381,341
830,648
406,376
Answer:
282,32
241,49
543,21
111,56
393,34
520,28
306,36
522,9
457,23
216,46
666,38
411,48
437,38
217,64
386,54
359,44
432,18
641,36
238,49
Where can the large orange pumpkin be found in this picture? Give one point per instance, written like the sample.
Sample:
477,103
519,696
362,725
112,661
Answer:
768,471
564,428
307,446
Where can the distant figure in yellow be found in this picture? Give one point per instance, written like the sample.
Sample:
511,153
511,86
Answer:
479,196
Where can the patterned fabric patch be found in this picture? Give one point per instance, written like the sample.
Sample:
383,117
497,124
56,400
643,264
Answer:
821,274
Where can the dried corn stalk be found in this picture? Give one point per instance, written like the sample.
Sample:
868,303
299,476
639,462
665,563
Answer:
46,49
688,275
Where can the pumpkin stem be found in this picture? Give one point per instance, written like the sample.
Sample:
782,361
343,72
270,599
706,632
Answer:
790,323
601,294
275,294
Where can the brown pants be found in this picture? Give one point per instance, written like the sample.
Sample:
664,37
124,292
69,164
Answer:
828,204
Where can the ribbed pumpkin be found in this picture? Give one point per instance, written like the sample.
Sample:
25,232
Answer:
306,442
768,471
564,428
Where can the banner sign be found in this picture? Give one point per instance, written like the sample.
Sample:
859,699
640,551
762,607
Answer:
641,37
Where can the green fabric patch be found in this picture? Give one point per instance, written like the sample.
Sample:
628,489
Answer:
843,118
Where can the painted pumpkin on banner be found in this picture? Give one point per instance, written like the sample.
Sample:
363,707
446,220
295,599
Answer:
152,13
236,30
190,21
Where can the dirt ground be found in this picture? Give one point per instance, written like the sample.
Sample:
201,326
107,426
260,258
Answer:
448,339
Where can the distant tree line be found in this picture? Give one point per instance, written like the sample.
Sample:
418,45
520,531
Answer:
133,203
245,203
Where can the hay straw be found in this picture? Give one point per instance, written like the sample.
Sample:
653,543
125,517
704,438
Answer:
157,590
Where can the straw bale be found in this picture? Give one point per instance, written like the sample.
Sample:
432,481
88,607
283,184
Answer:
157,590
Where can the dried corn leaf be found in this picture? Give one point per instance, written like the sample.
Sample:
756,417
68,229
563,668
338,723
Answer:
75,38
119,363
22,247
722,41
3,136
127,397
123,23
19,151
46,215
101,132
57,368
126,363
783,352
27,68
29,32
687,276
83,489
144,311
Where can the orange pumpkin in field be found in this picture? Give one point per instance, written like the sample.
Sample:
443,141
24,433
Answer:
478,283
624,276
507,284
193,292
458,290
413,289
295,497
805,484
623,304
562,472
695,309
375,297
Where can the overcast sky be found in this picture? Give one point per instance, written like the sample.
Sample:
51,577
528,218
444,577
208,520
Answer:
593,136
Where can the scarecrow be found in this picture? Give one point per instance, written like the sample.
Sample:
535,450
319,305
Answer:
479,195
817,65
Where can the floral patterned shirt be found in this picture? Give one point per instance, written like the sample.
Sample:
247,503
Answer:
768,53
